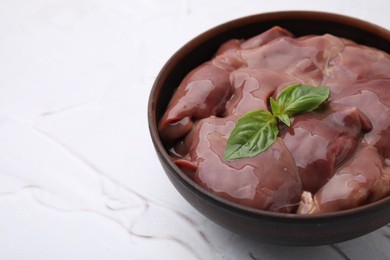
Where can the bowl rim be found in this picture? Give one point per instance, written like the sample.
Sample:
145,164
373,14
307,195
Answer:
226,26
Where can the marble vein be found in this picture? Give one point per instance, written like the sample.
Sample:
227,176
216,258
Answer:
147,203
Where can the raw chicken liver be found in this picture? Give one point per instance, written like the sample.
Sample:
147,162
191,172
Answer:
330,159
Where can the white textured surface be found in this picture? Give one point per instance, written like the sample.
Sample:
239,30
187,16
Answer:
79,178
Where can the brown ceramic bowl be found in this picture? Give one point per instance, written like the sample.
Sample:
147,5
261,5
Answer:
279,228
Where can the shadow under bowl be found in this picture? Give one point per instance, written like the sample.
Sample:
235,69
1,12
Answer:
264,226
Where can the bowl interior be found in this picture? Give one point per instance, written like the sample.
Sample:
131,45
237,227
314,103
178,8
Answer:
278,227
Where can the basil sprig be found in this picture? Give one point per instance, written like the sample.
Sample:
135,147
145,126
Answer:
258,129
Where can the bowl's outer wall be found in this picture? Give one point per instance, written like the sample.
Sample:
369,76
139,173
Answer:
271,228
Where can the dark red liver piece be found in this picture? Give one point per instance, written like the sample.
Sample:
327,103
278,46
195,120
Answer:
267,181
320,141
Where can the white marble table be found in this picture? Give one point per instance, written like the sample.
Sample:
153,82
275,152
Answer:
79,178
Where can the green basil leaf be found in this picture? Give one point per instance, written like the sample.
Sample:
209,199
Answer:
285,119
298,98
276,111
275,108
253,133
258,130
